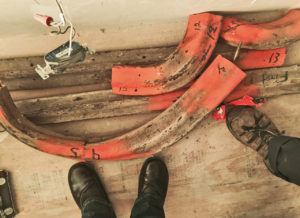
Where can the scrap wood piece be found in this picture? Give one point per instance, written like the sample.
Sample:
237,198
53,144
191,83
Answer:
180,68
259,36
220,78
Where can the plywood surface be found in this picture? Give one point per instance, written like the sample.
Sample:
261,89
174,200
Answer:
211,175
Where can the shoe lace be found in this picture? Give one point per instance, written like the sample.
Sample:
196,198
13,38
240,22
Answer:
259,131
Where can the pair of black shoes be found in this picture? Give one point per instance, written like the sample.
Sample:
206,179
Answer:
85,184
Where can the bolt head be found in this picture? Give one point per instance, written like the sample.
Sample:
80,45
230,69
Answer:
2,181
8,211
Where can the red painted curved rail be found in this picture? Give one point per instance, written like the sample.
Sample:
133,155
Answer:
262,36
254,59
219,79
186,62
180,68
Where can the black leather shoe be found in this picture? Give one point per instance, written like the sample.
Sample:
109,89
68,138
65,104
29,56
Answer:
85,184
154,179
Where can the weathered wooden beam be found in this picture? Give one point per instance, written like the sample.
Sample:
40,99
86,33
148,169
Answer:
40,93
102,103
19,74
269,82
81,106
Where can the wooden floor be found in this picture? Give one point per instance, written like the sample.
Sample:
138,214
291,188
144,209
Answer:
211,175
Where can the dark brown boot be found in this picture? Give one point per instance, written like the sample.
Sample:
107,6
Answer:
252,128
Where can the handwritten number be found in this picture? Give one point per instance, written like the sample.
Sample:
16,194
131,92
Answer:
211,30
275,78
221,69
233,26
285,77
95,155
73,150
276,57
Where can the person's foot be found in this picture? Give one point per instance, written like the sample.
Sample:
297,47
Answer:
154,179
85,184
251,127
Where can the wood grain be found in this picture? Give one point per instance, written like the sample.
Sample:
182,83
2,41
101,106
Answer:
103,103
19,74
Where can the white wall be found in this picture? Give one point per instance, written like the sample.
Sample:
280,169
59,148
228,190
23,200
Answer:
110,24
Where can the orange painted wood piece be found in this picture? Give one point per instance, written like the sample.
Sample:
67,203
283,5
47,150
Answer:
254,59
220,72
242,90
262,36
160,102
248,59
174,72
180,68
220,78
163,101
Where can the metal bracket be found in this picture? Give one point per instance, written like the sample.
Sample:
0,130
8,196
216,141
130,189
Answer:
44,72
7,208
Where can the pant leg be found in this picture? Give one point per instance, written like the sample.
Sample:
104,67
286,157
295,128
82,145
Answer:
284,157
97,209
147,206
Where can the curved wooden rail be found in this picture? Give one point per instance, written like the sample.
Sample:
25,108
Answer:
180,68
220,78
262,36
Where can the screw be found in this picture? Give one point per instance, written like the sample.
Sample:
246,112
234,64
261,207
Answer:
8,211
2,181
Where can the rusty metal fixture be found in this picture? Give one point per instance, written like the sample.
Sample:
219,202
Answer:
262,36
219,79
7,203
180,68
